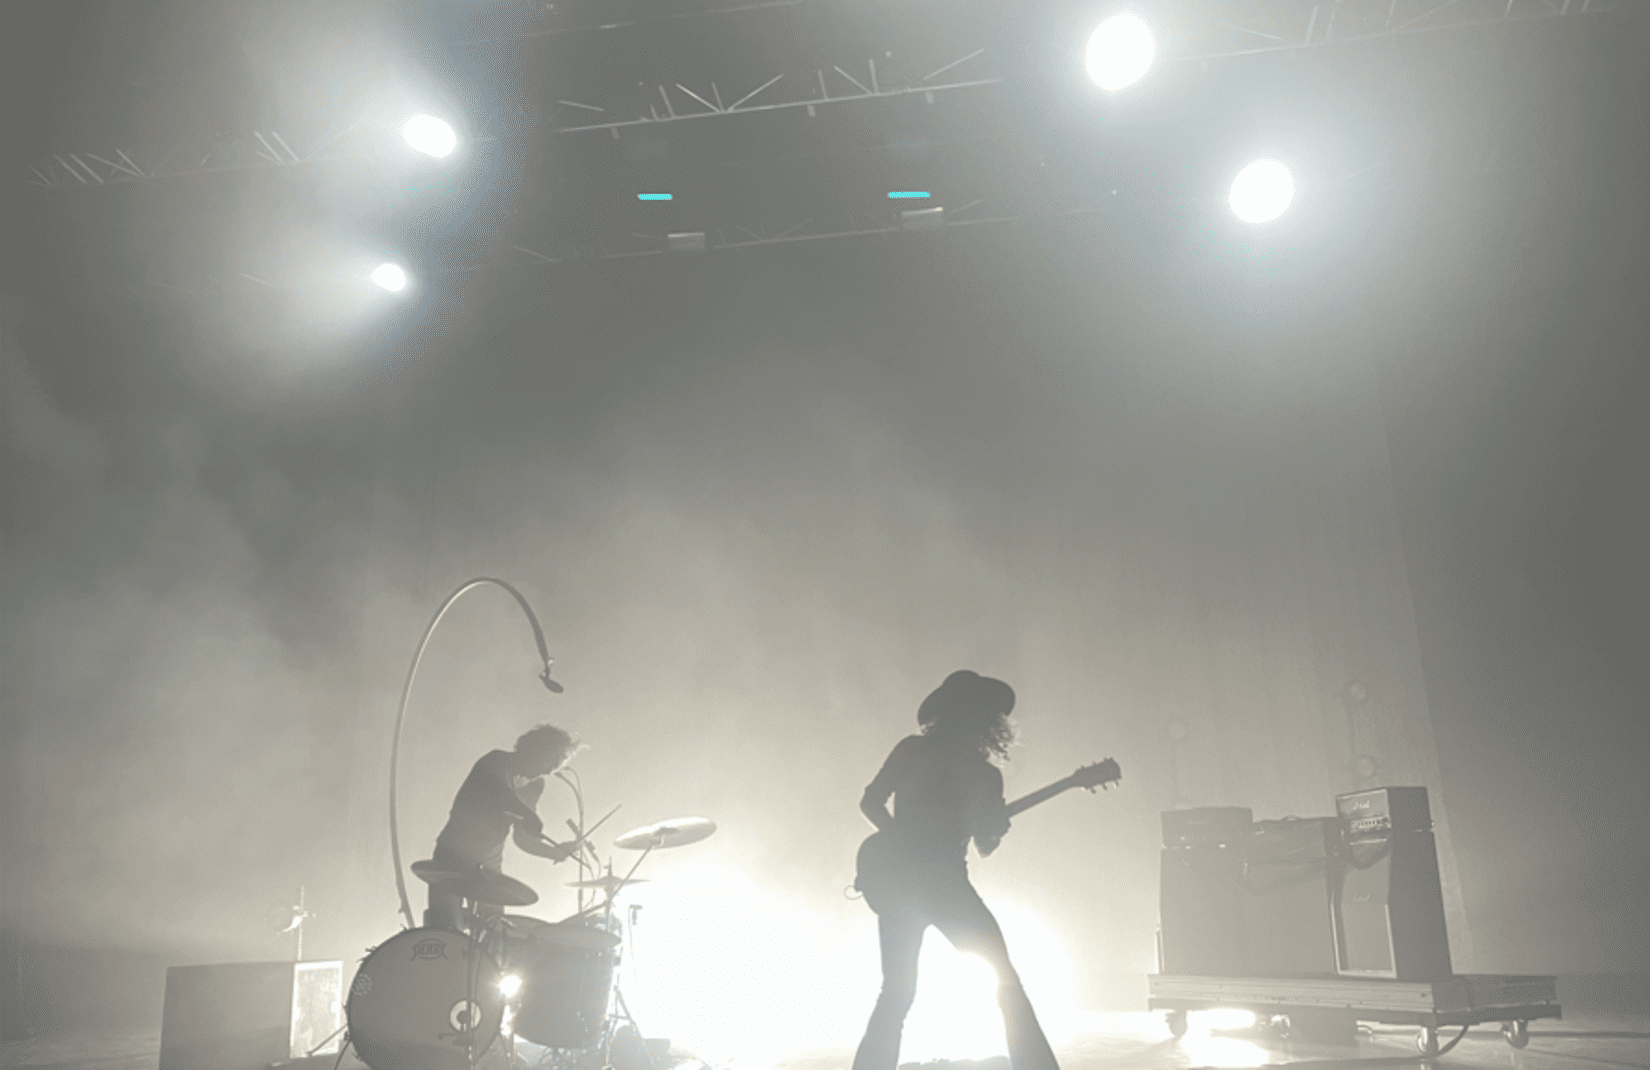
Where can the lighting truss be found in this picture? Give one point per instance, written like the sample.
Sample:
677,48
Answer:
259,149
252,150
810,94
1219,29
865,223
1207,30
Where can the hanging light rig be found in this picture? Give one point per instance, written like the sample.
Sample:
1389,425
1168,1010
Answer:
406,693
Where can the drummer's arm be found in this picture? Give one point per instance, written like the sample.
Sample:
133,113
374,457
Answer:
538,844
528,831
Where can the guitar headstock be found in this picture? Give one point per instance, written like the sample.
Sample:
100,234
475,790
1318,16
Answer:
1097,775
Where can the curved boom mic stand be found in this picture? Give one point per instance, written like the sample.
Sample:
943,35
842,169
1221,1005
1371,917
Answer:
406,693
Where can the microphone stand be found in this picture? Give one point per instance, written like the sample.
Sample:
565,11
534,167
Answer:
406,693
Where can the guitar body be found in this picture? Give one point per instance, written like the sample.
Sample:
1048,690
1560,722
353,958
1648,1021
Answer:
889,872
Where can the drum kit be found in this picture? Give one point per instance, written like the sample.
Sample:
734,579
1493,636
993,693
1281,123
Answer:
436,999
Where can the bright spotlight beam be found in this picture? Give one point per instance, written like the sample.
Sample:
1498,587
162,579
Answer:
1262,191
390,277
429,135
1120,51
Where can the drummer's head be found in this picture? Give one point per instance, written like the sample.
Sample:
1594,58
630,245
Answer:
545,749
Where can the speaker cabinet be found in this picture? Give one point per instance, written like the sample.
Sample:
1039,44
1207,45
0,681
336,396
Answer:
247,1015
1389,910
1207,826
1292,869
1200,901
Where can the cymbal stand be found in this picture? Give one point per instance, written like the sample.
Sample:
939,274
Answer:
584,853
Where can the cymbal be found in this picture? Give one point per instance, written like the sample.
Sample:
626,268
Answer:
430,871
677,832
478,885
608,884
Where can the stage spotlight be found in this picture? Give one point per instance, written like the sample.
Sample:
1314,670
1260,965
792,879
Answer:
390,277
429,135
1120,51
509,985
1262,191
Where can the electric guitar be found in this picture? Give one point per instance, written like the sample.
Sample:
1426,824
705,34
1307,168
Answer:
885,873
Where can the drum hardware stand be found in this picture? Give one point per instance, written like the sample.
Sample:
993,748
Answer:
311,1052
296,915
622,1014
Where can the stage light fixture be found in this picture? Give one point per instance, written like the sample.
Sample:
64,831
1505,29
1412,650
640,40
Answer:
390,276
1262,191
1120,51
429,135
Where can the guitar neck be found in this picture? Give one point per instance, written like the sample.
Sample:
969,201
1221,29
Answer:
1041,795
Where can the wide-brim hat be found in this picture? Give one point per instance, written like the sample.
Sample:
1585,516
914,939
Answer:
966,693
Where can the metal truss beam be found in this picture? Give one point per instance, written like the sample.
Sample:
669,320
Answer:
1211,30
253,150
261,149
709,105
1254,27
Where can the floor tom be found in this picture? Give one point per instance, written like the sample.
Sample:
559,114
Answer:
566,973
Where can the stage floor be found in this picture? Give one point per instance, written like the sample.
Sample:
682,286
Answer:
1108,1042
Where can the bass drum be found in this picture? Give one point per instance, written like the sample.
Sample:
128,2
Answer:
425,999
566,973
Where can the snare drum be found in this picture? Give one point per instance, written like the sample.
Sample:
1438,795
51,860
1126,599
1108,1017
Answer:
425,999
566,973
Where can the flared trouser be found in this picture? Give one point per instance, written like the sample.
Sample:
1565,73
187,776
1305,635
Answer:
956,910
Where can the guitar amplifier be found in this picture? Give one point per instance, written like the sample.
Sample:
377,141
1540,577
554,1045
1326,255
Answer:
1382,810
1207,826
1293,870
1200,910
247,1015
1389,909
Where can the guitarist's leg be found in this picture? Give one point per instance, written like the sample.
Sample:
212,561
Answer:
970,926
900,934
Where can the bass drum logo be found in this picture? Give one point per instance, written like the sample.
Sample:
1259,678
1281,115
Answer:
432,948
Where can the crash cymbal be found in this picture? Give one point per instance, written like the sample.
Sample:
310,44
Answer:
608,884
478,885
677,832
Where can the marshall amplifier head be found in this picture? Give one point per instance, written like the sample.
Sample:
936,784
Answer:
1207,826
1379,811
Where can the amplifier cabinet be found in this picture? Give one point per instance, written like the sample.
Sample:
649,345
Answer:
1293,869
247,1015
1207,826
1389,910
1201,911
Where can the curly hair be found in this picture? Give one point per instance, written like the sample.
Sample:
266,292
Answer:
972,707
545,738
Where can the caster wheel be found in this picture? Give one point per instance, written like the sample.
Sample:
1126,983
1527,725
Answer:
1426,1041
1176,1021
1517,1033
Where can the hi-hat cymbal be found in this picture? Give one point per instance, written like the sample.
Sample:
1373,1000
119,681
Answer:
478,885
608,884
677,832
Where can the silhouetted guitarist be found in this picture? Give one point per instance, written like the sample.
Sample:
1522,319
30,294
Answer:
914,870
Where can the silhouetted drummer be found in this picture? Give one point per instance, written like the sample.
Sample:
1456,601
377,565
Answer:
496,800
